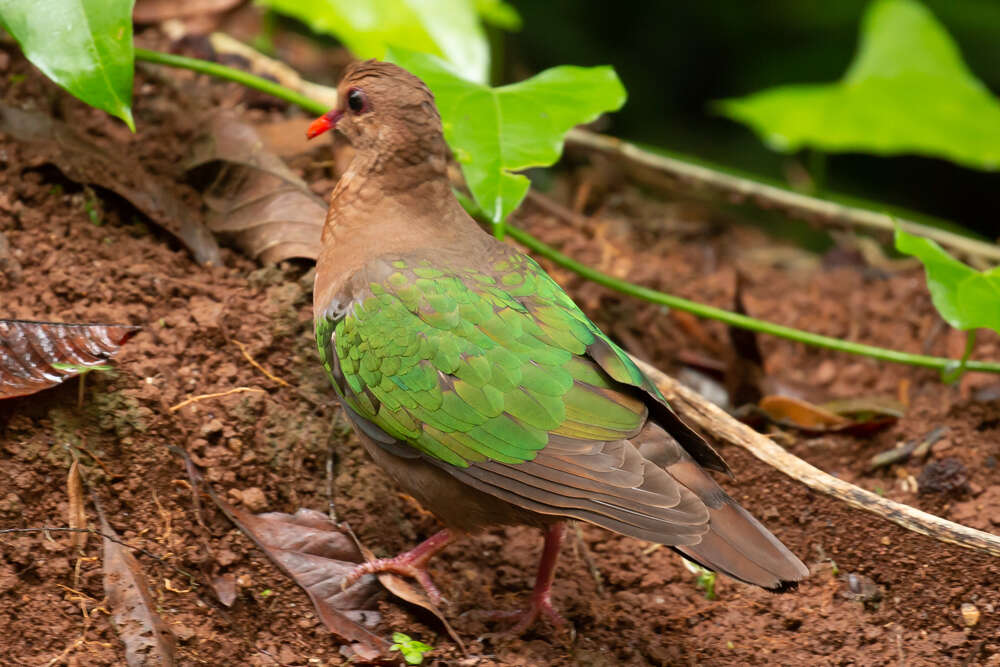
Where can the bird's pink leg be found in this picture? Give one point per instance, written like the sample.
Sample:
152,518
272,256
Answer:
412,563
540,603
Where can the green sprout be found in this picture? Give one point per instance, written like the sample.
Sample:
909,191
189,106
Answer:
90,206
705,578
82,371
79,368
413,651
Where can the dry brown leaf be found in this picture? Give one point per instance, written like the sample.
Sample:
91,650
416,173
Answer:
224,586
317,555
405,590
800,414
155,11
286,138
253,197
866,407
857,416
77,513
83,161
38,355
147,639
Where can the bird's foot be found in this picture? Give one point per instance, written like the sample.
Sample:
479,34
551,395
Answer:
539,606
412,563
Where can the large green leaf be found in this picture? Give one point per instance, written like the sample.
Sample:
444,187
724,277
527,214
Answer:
85,46
495,131
907,91
448,28
965,298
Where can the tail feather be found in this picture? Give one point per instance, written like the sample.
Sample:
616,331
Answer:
736,543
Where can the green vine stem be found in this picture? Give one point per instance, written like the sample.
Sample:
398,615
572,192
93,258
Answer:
533,244
742,321
232,74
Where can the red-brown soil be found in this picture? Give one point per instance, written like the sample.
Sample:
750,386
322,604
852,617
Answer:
274,442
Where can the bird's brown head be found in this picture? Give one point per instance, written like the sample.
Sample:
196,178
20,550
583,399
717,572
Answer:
385,108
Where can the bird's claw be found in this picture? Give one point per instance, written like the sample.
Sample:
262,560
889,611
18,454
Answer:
539,607
399,565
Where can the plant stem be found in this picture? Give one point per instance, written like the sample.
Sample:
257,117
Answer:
654,296
232,74
742,321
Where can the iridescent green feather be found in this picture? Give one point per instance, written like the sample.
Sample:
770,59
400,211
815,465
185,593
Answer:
466,365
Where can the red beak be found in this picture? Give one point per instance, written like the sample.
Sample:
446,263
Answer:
324,123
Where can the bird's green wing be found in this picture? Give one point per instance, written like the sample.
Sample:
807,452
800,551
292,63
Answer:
469,365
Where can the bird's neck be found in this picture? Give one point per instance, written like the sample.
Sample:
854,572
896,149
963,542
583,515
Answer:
384,205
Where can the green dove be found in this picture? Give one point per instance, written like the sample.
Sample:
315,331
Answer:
478,385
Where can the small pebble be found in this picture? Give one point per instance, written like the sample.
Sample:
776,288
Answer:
970,614
254,499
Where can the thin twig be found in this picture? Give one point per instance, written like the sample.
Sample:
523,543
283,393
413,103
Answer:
689,178
253,362
588,558
202,397
700,412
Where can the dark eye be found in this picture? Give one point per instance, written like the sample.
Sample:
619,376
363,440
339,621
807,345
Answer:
356,100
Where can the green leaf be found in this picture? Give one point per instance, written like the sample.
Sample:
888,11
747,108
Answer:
495,131
447,28
413,651
965,298
498,14
85,46
907,92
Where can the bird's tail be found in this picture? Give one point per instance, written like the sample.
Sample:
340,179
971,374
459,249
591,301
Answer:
736,543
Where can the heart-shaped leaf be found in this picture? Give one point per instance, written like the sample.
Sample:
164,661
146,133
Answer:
965,298
314,552
496,131
448,28
38,355
85,46
907,91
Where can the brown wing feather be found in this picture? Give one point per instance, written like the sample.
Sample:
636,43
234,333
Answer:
674,518
736,544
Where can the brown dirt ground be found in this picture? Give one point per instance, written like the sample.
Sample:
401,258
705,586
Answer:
647,609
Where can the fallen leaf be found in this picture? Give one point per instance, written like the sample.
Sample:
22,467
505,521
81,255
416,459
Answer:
866,408
856,416
147,639
156,11
38,355
317,555
405,590
253,197
224,586
83,161
801,414
77,514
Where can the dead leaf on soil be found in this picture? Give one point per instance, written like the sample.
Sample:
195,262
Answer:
147,639
77,513
38,355
856,416
317,555
254,197
225,589
83,161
